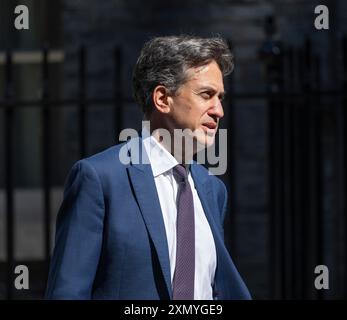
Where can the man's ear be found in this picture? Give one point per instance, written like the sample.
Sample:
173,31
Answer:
161,99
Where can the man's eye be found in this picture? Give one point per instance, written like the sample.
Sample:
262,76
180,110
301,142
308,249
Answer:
205,95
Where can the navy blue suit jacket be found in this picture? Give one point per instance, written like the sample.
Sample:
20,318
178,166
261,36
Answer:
110,235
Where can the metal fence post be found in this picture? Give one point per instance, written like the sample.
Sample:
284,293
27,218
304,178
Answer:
9,173
46,155
82,115
271,54
118,92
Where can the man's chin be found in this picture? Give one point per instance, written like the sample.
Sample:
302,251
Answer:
209,141
205,141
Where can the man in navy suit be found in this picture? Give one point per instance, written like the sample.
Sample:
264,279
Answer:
141,220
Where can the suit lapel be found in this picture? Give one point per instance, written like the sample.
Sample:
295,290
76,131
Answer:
206,198
142,180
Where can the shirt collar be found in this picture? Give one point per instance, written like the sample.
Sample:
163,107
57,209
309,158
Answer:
161,160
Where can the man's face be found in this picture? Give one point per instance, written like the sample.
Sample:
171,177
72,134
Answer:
197,103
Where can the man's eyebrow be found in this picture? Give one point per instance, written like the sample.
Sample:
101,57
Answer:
208,88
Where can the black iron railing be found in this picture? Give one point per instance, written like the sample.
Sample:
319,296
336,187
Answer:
294,96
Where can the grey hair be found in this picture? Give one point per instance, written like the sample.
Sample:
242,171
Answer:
165,60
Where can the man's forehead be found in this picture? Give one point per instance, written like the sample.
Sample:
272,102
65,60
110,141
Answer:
206,75
201,70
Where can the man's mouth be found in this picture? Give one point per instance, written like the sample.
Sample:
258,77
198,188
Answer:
209,126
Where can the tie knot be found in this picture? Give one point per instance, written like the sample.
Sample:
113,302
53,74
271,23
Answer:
180,173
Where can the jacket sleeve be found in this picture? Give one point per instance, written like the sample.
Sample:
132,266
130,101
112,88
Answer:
224,200
79,234
220,200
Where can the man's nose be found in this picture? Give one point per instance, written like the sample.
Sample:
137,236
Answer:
217,109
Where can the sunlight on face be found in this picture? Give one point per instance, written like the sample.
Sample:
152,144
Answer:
197,104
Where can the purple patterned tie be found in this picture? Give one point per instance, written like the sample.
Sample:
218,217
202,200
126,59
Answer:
183,281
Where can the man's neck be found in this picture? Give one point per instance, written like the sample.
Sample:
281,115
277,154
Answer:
174,144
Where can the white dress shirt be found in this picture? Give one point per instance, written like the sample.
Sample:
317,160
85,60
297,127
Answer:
162,163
